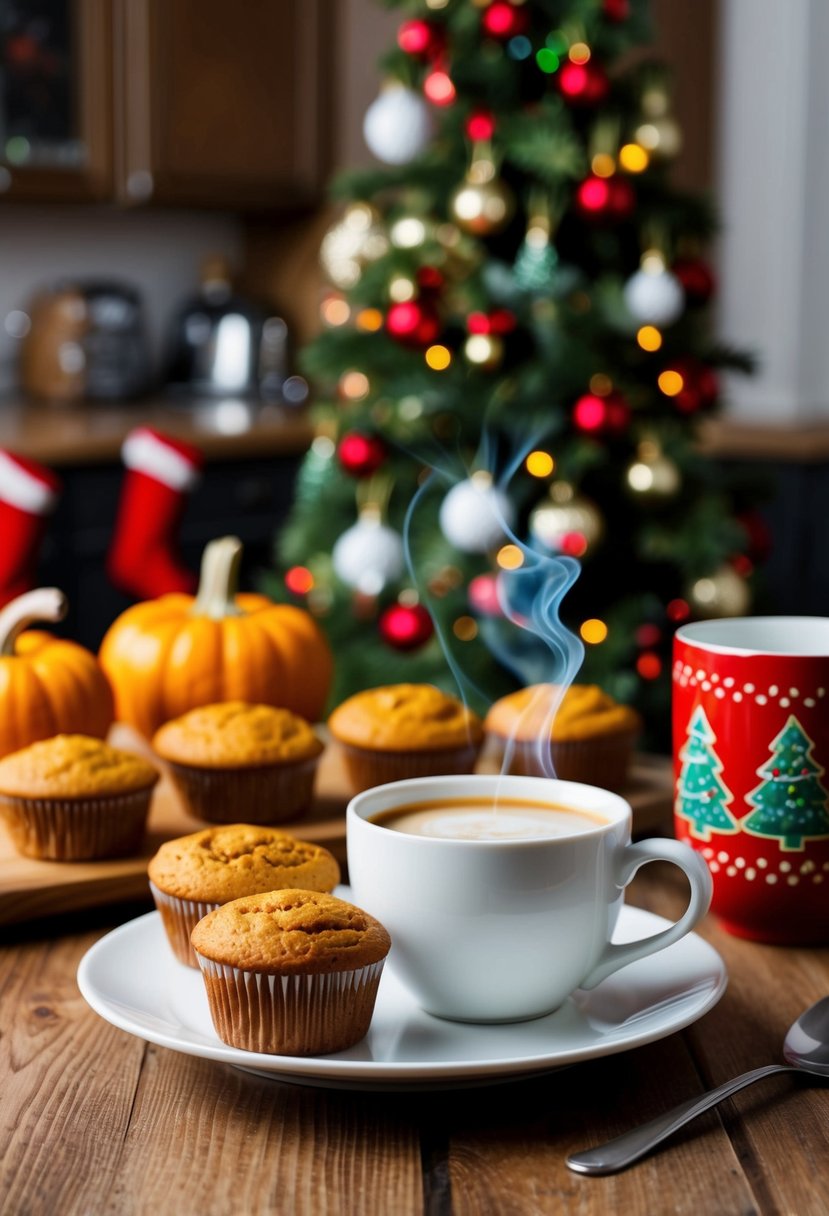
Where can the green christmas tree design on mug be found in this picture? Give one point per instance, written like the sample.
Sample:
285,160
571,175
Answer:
702,797
791,803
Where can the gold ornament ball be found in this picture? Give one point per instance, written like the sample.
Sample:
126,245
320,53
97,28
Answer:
552,520
482,207
356,238
723,593
484,350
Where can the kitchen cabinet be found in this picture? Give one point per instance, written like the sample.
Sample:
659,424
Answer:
171,102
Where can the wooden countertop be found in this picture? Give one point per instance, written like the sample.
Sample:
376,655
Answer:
95,1120
63,436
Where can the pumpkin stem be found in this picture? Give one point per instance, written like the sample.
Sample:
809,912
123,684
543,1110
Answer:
219,579
43,604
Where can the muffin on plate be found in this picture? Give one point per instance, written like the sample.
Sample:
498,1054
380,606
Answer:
291,972
405,730
74,798
588,736
192,875
233,761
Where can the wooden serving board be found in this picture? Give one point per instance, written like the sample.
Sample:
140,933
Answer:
30,888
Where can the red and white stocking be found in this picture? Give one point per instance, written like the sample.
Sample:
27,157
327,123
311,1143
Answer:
28,493
143,555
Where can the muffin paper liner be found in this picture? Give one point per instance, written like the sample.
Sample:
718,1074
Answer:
369,768
77,829
180,917
602,761
265,794
290,1015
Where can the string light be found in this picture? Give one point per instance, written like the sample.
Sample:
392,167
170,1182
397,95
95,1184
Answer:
579,52
671,383
299,580
600,384
335,310
438,358
510,557
370,319
593,631
649,665
439,88
649,338
408,232
323,447
354,385
401,289
603,165
547,60
633,158
465,628
540,464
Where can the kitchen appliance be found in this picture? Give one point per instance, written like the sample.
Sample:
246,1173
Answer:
86,341
226,346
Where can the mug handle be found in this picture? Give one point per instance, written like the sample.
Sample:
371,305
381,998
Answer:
699,877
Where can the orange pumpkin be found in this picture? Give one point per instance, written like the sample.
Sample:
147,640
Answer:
48,686
168,655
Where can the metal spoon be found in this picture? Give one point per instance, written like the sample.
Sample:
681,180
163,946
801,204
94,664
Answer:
806,1048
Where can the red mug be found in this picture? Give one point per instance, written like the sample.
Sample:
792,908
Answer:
751,765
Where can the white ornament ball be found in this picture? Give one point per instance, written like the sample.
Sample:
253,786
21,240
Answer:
368,555
654,299
398,125
475,514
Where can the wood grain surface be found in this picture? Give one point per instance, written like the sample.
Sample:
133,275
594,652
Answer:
31,888
95,1121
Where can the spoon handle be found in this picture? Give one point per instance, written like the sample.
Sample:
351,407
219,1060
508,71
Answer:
630,1146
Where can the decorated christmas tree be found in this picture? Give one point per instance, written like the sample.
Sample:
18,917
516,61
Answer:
791,803
514,347
702,798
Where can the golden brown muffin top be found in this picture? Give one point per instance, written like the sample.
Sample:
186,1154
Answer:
291,932
585,712
233,734
73,766
225,862
405,717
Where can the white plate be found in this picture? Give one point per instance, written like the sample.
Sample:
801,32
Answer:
132,980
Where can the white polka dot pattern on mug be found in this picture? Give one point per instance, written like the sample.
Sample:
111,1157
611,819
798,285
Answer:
792,873
686,676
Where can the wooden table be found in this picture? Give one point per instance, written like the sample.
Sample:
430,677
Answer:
94,1121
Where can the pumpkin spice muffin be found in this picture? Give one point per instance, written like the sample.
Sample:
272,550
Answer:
74,798
291,972
192,875
405,730
234,761
587,735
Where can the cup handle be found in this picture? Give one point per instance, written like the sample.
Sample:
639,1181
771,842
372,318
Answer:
699,878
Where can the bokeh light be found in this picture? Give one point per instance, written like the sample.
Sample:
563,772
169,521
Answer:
540,464
593,631
510,557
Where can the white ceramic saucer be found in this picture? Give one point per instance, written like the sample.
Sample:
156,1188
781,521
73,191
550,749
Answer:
132,980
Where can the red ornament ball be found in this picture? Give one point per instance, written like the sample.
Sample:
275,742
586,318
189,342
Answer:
413,323
439,88
697,279
616,10
503,20
361,455
583,84
480,125
419,38
429,278
406,626
605,198
758,535
594,415
700,386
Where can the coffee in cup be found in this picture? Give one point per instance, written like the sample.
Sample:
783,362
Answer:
488,819
502,928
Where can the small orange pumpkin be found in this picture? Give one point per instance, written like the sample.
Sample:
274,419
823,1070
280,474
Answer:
48,686
172,654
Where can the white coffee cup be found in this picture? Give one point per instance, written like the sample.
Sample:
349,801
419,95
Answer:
504,930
